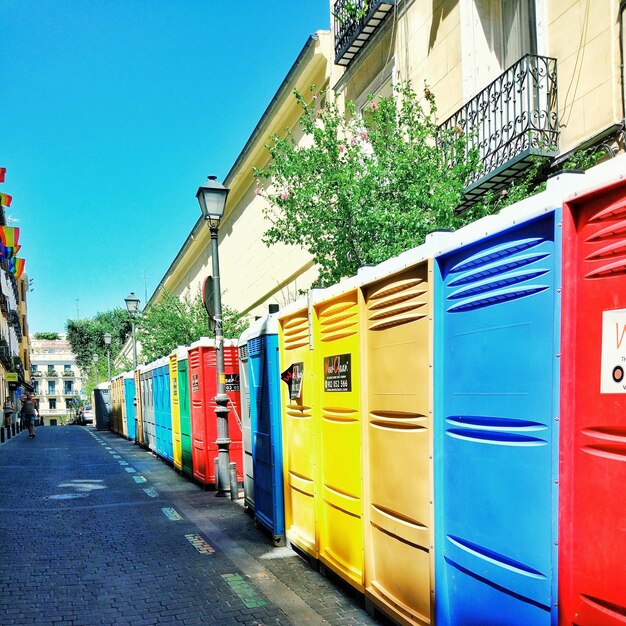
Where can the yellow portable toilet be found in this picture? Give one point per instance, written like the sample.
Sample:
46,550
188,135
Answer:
299,442
397,338
175,404
337,418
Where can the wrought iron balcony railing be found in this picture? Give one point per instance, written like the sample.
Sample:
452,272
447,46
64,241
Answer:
512,120
355,22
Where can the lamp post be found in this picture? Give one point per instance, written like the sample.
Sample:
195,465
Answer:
132,306
94,358
107,342
211,196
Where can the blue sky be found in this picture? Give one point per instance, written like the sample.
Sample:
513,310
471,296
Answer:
111,115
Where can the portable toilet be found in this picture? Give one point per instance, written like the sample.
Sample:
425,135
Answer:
265,419
592,528
497,312
162,410
177,450
129,404
102,406
138,407
337,383
397,374
298,398
203,380
147,405
117,400
246,431
185,411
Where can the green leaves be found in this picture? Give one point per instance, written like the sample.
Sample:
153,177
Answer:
363,187
179,322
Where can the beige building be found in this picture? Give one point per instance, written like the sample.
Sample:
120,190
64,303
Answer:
520,77
56,379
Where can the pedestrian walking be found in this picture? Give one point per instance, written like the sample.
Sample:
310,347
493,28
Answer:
30,414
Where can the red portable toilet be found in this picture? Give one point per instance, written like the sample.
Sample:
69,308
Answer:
592,520
202,391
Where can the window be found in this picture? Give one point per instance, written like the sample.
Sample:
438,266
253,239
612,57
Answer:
67,368
68,387
35,384
494,35
69,403
51,371
51,387
33,368
52,404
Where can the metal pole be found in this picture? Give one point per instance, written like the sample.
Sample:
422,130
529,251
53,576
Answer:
221,399
109,363
132,330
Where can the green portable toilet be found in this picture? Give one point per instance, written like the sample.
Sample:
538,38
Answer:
185,413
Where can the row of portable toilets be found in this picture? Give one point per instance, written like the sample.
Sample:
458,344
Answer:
445,431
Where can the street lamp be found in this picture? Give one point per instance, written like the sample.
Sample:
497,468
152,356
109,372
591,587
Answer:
211,197
107,342
132,306
94,358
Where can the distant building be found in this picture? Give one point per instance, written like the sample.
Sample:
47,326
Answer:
57,381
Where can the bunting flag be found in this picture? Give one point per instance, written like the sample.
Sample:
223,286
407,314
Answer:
9,235
3,171
8,252
18,267
5,199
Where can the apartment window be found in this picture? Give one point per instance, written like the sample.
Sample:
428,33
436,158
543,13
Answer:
52,403
67,368
69,403
51,387
494,35
68,387
33,368
35,384
51,371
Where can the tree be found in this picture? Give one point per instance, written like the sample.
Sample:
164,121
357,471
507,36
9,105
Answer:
46,336
361,189
86,337
179,322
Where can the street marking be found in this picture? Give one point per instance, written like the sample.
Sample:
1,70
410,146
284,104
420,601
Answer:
152,492
139,479
122,462
200,544
171,514
130,470
244,591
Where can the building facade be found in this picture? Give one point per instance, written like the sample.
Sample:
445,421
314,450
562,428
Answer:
55,377
521,79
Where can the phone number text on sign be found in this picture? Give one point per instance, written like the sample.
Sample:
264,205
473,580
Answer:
337,373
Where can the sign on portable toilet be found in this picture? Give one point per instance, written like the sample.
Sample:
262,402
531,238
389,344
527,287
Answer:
203,381
129,405
497,313
397,335
337,383
592,527
117,402
177,451
185,411
244,392
266,426
300,455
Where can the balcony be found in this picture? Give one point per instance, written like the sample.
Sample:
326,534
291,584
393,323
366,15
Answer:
36,374
355,22
509,123
68,374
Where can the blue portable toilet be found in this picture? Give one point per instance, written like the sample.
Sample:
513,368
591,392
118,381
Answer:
496,373
163,410
265,422
246,430
129,399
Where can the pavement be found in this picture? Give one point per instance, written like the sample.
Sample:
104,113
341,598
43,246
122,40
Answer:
97,530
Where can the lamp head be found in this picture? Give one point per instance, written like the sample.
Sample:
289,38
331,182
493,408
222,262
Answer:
132,304
211,197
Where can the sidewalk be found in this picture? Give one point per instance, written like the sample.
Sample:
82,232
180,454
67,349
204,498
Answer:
95,530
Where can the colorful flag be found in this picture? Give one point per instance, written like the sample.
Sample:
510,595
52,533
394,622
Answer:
5,199
18,267
9,236
8,252
3,171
